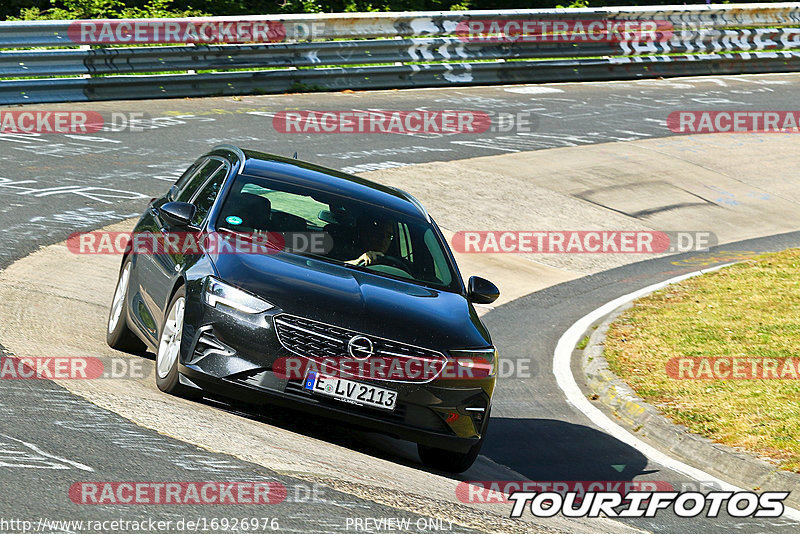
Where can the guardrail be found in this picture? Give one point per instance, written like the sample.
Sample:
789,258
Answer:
124,59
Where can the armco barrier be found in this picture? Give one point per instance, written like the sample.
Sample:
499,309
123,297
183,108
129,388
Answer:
56,61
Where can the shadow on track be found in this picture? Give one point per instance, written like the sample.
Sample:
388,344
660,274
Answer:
551,450
538,449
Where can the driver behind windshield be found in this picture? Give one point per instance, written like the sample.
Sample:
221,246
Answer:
374,238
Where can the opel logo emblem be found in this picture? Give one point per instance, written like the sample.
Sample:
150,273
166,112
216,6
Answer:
360,347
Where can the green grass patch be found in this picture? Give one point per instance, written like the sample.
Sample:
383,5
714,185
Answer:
749,310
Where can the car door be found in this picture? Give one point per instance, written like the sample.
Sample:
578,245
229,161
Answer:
156,273
143,309
201,191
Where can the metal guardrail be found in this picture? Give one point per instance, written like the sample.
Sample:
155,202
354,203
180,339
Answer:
390,50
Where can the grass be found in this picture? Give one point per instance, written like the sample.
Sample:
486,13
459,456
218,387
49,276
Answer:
582,343
749,310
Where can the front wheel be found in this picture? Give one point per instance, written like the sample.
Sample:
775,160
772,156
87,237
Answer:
119,336
169,348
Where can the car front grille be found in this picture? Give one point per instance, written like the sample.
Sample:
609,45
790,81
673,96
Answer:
390,361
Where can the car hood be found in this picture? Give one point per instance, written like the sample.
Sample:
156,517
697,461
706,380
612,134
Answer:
357,300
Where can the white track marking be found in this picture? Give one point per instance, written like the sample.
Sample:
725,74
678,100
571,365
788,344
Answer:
39,451
533,90
574,395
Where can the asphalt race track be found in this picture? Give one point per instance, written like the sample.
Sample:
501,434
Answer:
53,185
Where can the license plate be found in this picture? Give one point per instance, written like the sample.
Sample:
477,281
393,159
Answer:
351,391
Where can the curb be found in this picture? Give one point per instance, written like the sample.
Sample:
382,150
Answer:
645,421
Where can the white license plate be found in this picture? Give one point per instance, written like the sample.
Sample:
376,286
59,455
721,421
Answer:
351,391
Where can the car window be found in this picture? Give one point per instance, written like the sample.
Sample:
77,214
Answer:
404,242
185,178
197,180
293,205
206,196
406,247
440,265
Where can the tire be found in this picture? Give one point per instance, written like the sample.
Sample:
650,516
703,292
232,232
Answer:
119,336
168,352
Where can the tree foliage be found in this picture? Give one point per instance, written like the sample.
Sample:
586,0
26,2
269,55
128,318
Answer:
89,9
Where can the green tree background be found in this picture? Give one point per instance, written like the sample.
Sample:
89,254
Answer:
74,9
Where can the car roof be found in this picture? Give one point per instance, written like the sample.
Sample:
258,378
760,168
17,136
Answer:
304,174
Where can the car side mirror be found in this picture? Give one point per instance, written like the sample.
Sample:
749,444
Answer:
481,291
177,213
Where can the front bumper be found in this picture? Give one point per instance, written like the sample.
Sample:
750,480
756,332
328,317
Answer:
230,354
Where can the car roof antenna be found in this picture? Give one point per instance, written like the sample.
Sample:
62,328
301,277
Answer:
295,155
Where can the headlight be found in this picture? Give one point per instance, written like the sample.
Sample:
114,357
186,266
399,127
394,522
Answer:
478,363
216,292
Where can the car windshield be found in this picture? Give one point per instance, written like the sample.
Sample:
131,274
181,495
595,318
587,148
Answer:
356,234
